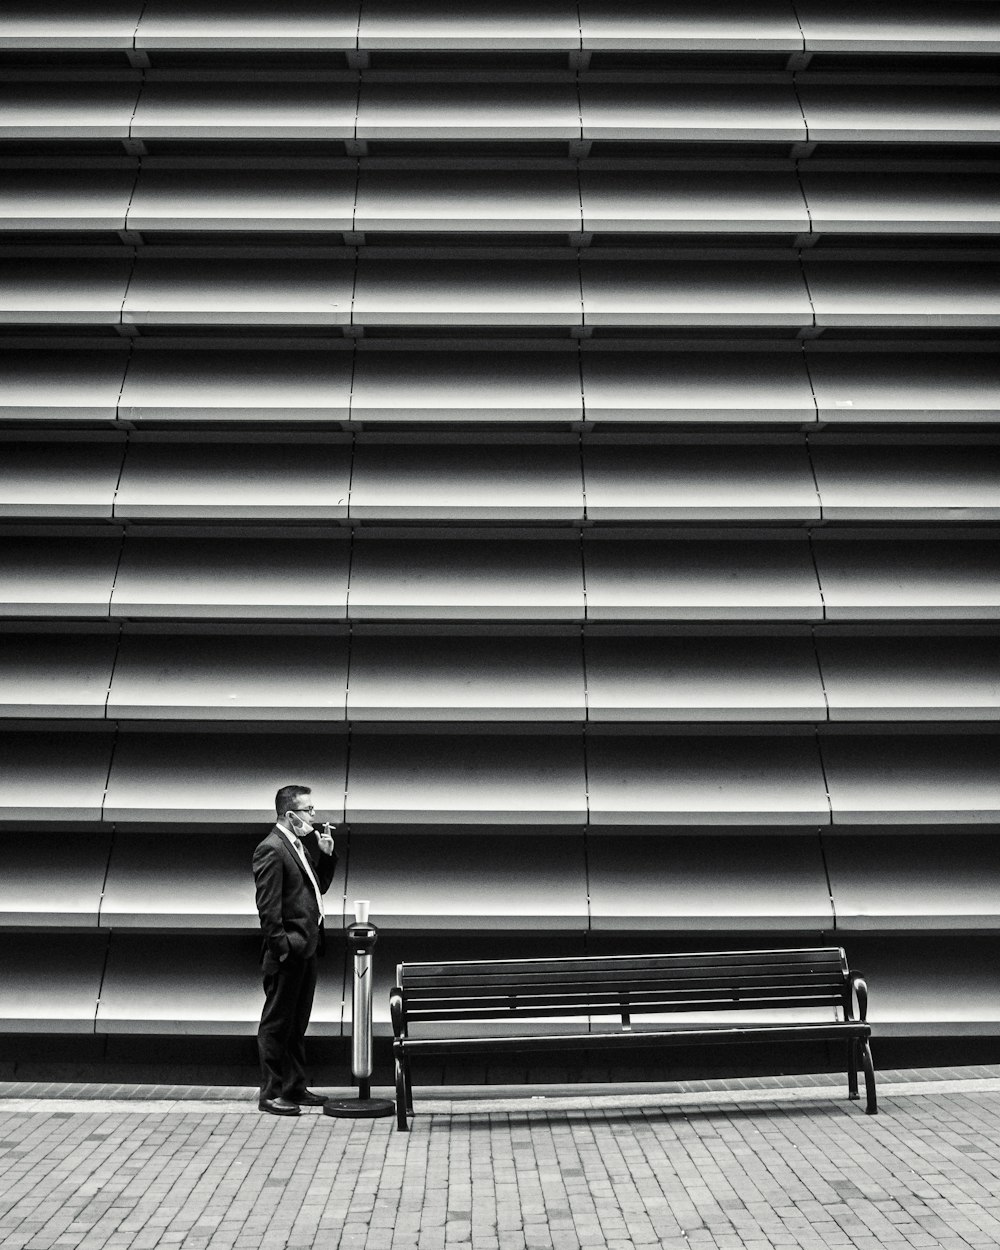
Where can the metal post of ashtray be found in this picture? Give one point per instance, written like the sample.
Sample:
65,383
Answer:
361,939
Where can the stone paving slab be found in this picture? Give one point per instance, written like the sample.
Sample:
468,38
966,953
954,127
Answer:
731,1169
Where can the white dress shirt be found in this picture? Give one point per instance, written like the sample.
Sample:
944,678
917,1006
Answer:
304,860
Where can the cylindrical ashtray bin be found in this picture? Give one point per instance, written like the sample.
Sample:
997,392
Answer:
361,939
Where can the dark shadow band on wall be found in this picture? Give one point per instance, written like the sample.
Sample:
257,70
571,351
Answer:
232,1062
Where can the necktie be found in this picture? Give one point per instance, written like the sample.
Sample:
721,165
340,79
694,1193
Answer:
309,870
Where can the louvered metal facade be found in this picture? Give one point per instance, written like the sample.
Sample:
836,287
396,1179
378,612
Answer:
563,435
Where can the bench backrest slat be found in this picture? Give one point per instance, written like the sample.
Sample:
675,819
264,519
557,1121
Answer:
507,983
577,1010
816,956
644,984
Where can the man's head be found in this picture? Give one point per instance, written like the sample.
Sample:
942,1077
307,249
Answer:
294,799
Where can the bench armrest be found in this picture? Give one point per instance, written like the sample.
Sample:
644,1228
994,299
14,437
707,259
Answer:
860,987
397,1013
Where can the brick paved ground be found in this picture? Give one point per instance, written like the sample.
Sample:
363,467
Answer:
760,1167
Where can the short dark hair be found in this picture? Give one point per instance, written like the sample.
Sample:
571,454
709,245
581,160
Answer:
286,796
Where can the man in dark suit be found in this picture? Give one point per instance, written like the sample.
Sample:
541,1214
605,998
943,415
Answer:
292,870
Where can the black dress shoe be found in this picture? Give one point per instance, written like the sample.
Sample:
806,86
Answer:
307,1099
278,1106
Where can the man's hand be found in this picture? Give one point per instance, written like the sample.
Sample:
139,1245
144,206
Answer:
325,839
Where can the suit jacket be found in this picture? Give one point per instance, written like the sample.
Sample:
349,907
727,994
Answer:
286,901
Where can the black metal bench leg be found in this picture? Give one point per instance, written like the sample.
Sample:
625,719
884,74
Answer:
866,1059
401,1106
408,1082
852,1068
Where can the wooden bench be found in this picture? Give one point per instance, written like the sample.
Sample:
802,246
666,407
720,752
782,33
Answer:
480,992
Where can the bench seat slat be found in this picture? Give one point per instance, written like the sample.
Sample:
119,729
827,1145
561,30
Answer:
668,1037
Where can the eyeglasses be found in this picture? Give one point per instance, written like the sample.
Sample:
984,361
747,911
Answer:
310,808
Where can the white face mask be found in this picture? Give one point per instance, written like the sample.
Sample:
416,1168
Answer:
300,823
